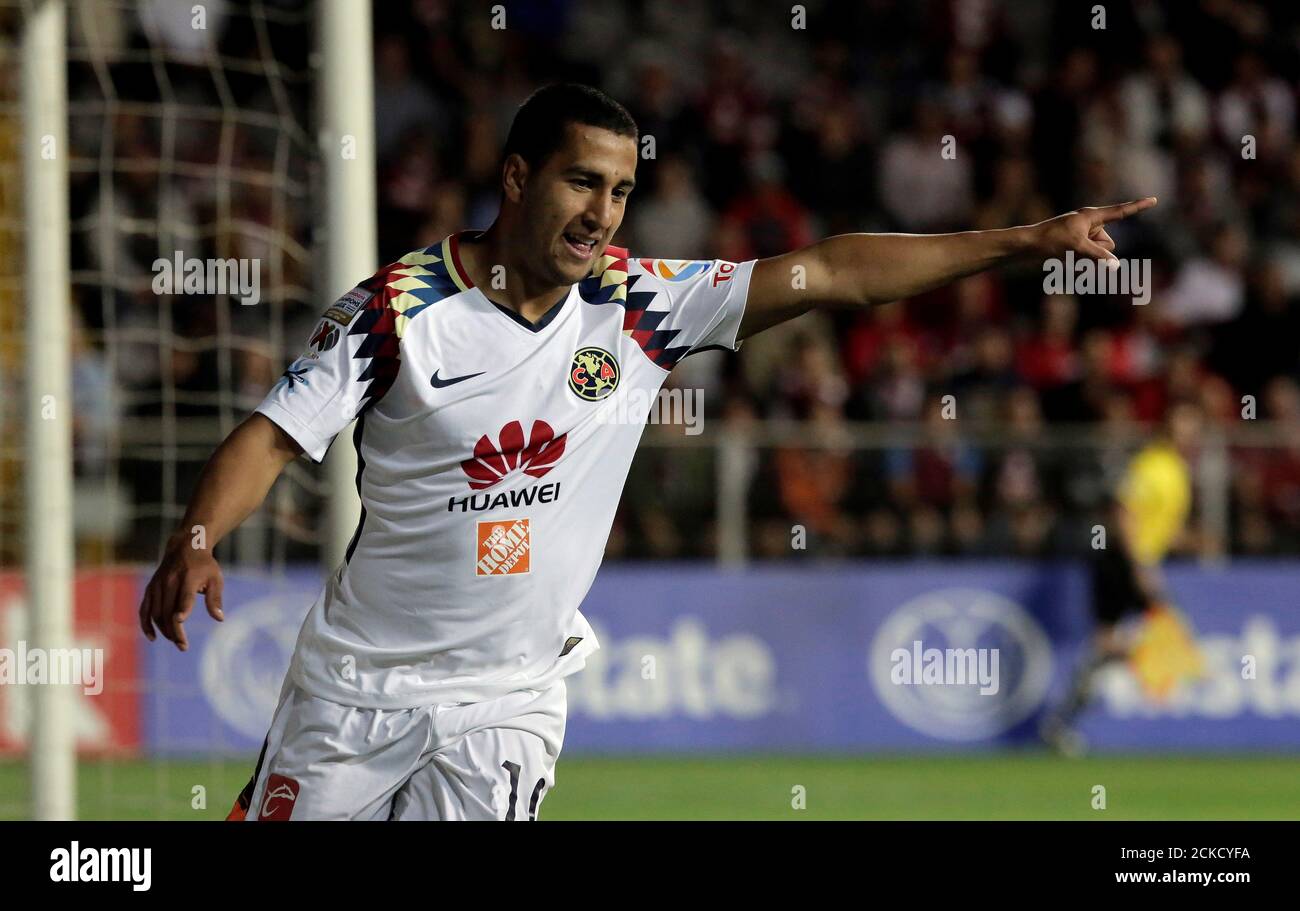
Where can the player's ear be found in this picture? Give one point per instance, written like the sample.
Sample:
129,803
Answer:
514,174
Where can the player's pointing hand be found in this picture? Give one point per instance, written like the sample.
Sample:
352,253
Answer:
1084,230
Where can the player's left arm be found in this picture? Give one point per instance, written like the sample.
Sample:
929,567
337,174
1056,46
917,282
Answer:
860,270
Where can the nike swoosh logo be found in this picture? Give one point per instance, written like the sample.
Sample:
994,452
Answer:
451,381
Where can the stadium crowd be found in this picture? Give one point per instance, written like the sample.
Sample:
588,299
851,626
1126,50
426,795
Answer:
768,136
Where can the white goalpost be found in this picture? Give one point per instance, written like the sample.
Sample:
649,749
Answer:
48,561
249,189
347,131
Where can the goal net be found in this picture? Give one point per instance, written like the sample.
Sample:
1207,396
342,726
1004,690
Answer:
193,175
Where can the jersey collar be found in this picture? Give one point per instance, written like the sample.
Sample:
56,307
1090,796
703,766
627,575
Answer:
451,256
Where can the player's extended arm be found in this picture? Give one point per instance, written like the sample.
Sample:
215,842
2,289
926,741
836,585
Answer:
866,269
233,483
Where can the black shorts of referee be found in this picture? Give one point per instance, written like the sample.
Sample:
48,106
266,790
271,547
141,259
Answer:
1115,591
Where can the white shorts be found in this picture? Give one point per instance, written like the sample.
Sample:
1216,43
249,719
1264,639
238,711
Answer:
479,760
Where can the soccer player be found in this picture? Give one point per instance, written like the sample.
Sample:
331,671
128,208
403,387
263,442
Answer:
428,677
1145,518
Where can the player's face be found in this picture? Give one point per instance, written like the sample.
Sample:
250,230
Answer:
574,204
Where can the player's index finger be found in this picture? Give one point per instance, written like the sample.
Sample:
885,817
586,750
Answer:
1124,210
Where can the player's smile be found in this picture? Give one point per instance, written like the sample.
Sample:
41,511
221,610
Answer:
581,246
581,194
576,249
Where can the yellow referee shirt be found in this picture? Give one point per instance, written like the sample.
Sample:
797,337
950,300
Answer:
1157,492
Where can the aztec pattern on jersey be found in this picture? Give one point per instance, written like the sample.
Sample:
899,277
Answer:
610,283
401,291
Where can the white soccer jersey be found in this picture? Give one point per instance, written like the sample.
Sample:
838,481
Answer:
488,475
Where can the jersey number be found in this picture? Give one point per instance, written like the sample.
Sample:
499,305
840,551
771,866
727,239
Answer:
513,769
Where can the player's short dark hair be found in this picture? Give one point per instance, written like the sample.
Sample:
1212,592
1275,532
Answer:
538,128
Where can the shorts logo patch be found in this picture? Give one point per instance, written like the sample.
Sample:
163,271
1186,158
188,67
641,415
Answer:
347,306
504,548
281,795
593,374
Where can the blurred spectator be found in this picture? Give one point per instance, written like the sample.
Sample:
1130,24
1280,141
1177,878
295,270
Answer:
659,105
814,480
96,406
1163,104
1210,289
1048,358
1084,398
402,103
896,390
924,189
1262,344
826,168
766,139
1059,110
1015,199
811,376
1019,475
737,120
981,390
939,472
173,26
768,219
871,334
1259,104
672,222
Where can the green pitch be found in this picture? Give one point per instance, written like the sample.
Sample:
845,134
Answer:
1012,786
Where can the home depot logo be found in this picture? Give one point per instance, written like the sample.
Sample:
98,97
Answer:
504,548
491,462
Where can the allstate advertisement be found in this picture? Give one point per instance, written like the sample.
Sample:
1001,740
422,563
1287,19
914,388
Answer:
829,658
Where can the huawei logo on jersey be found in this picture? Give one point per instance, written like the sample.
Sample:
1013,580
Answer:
491,462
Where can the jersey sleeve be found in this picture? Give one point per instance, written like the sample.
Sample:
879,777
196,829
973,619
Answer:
702,302
350,362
